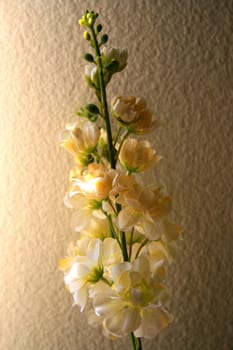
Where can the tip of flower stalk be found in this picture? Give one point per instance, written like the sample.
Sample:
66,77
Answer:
88,19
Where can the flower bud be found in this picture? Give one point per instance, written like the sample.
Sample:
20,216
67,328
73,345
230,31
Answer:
81,21
88,57
93,109
99,28
91,76
86,36
104,39
90,21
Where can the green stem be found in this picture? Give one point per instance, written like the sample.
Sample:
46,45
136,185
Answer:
136,342
112,231
133,341
140,248
104,99
139,344
124,246
106,281
131,243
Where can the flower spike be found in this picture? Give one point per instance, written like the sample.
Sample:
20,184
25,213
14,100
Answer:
125,241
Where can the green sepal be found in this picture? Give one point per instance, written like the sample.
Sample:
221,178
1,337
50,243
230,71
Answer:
112,67
86,159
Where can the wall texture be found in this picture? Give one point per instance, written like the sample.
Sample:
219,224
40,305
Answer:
181,61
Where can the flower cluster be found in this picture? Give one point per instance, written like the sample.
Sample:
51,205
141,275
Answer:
116,270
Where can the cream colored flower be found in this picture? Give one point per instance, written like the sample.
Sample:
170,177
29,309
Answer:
145,210
95,182
80,139
85,210
137,156
90,265
97,228
133,113
132,302
160,251
126,189
117,55
91,76
86,137
154,319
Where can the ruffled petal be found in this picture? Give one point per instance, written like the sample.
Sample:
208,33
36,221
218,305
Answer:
123,322
154,319
127,218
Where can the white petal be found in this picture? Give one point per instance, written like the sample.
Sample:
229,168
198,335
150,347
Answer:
80,297
154,319
75,200
94,249
118,269
105,305
123,322
153,229
111,252
127,218
91,134
80,219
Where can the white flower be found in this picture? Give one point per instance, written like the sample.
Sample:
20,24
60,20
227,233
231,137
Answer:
80,139
84,209
133,113
154,319
91,76
144,209
95,182
118,55
134,299
90,265
137,156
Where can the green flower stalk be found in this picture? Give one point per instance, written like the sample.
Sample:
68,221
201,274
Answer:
125,238
89,21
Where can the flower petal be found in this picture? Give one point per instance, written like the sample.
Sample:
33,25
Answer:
127,218
154,319
123,322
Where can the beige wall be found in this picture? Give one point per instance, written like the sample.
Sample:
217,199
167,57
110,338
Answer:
181,61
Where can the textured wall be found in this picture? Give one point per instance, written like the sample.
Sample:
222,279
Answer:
181,61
